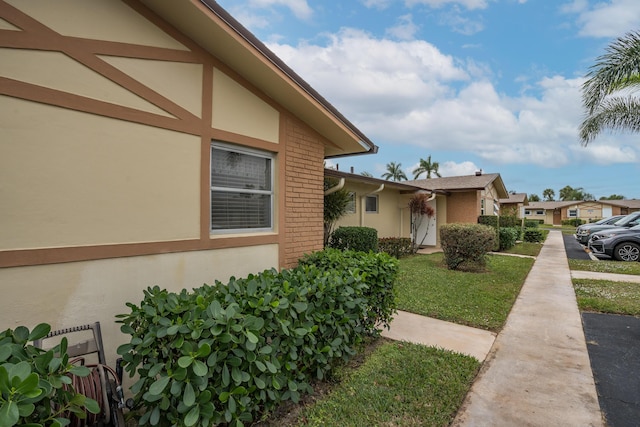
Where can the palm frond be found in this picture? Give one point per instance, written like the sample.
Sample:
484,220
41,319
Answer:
616,114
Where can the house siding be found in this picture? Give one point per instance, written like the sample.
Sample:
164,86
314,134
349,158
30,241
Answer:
304,200
105,169
463,207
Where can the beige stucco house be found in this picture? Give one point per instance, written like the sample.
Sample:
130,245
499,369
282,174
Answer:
587,210
514,204
149,142
468,196
384,205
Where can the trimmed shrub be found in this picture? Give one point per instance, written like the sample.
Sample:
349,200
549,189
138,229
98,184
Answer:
379,272
395,246
465,245
535,235
229,353
508,237
363,239
505,220
573,222
532,223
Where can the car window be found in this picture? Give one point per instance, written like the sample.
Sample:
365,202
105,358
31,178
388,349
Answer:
628,219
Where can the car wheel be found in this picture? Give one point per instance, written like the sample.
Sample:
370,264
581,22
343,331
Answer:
627,252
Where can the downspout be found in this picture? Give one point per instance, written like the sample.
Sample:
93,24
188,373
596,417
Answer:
335,188
363,202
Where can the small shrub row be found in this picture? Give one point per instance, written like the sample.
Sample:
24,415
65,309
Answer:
229,353
466,244
535,235
504,220
395,246
362,239
574,222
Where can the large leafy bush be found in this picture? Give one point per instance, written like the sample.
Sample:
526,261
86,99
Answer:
36,385
508,237
379,271
229,353
465,245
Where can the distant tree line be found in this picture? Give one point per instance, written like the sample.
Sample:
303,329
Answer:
568,193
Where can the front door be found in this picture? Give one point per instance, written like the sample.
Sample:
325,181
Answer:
557,217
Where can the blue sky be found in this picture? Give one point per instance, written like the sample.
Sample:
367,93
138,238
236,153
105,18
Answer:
476,84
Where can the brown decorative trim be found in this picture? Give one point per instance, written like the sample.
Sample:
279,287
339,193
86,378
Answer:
31,257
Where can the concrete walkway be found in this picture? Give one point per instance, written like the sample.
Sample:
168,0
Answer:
537,373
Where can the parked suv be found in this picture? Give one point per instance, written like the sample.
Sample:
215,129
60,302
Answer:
622,244
627,221
582,229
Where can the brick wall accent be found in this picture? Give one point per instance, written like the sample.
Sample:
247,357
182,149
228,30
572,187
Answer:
304,192
463,207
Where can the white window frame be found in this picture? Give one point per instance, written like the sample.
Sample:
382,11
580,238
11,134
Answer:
366,204
527,212
572,213
217,145
540,212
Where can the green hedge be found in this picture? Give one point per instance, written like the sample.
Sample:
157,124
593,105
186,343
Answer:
574,222
395,246
363,239
535,235
229,353
465,245
380,271
505,220
507,237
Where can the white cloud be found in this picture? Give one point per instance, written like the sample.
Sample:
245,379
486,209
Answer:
299,8
407,93
458,169
611,18
469,4
405,29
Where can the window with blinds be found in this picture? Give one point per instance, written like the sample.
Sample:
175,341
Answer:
241,189
371,204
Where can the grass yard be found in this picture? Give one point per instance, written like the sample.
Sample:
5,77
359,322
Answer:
606,266
608,297
400,384
525,248
482,300
403,384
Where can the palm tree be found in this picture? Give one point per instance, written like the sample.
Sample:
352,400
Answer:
605,95
394,172
549,194
428,167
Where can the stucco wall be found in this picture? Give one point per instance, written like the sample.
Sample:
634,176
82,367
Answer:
105,169
77,293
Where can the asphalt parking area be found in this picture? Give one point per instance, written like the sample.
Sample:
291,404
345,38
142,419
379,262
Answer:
613,342
573,248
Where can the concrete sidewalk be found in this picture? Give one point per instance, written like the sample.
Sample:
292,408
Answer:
538,372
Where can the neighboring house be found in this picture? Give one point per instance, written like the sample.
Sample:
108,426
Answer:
384,205
514,204
152,142
586,210
468,196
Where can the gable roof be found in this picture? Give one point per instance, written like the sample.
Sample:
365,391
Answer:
216,31
632,203
515,198
464,183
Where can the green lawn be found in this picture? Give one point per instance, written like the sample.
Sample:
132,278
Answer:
483,300
400,384
608,297
403,384
606,266
525,248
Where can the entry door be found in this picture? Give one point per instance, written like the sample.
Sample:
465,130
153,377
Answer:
557,217
428,227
